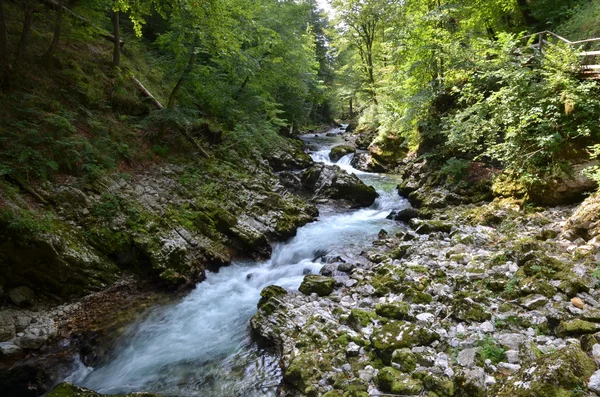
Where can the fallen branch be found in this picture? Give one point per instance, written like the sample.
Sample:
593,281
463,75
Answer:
102,32
147,94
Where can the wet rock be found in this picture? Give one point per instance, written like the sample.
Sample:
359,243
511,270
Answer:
331,181
404,215
337,152
21,296
319,285
9,349
286,160
69,390
366,162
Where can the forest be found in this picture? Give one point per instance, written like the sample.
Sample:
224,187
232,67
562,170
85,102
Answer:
337,198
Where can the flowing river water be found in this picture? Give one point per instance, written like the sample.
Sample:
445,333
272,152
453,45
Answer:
201,346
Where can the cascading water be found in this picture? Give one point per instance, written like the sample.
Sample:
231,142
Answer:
201,346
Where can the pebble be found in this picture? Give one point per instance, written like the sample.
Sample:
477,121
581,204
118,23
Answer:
577,302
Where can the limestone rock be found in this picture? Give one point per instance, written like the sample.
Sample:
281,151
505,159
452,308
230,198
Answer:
337,152
331,181
319,285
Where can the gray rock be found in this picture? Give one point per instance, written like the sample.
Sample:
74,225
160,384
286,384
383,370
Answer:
512,356
534,301
22,296
594,383
346,267
512,341
352,350
31,341
508,369
7,326
466,358
9,349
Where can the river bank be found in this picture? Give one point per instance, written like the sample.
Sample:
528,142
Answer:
485,299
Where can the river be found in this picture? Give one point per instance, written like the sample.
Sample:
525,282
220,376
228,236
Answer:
201,345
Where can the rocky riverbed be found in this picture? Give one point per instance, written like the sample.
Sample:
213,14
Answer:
473,300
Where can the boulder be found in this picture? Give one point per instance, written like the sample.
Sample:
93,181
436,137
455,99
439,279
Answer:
281,160
554,375
366,162
320,285
422,226
337,152
330,181
393,381
22,296
404,215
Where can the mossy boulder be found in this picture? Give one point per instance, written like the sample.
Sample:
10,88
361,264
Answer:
441,386
398,335
69,390
359,319
576,327
559,374
337,152
266,295
390,380
467,310
304,371
396,310
423,226
319,285
404,360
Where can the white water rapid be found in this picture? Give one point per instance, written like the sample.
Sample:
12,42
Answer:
201,346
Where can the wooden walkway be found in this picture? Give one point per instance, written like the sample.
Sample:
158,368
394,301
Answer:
590,69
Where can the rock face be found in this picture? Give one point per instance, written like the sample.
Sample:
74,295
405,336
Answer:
460,308
168,222
330,181
337,152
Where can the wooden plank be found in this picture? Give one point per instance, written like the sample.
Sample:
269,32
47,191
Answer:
589,53
590,67
585,41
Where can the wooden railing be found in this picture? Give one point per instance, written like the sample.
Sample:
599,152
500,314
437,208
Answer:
588,70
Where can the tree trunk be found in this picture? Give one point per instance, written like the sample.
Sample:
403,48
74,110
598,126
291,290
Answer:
4,65
27,21
351,114
117,43
177,88
57,28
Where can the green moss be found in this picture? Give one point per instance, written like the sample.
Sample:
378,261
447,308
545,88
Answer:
360,318
320,285
404,360
392,381
441,386
397,335
396,310
576,327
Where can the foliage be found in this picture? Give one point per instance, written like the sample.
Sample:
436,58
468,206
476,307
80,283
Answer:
490,349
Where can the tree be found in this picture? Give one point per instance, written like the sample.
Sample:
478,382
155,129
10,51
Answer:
4,64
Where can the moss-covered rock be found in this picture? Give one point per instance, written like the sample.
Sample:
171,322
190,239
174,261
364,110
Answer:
319,285
560,374
68,390
404,360
391,380
272,291
397,335
337,152
396,310
576,327
304,370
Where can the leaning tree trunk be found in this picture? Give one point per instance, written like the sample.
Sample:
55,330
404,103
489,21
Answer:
28,15
117,36
528,16
57,29
4,65
182,78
